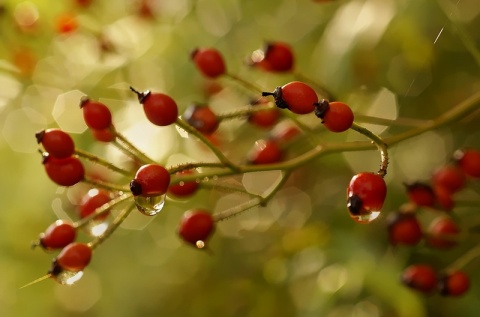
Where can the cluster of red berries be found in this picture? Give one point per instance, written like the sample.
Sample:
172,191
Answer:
443,231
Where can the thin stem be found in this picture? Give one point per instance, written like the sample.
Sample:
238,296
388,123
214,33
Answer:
113,226
105,185
246,111
229,188
97,160
466,258
102,209
122,141
401,122
245,83
193,165
184,125
382,147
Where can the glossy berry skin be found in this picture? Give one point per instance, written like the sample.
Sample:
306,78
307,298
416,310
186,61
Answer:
209,62
265,152
56,142
202,118
105,135
336,116
295,96
94,199
74,257
442,226
58,235
469,161
64,172
420,194
96,114
404,229
183,189
264,119
420,277
150,180
450,177
454,284
277,57
366,193
196,225
159,108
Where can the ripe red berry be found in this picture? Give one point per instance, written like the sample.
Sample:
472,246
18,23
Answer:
209,62
265,152
450,177
65,172
336,116
105,135
454,284
443,198
159,108
420,277
276,57
201,118
96,114
442,233
469,161
150,180
66,23
366,194
56,142
183,189
420,194
94,199
296,96
196,226
74,257
58,235
266,118
404,228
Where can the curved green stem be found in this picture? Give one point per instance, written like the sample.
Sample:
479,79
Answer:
122,141
249,85
105,185
97,160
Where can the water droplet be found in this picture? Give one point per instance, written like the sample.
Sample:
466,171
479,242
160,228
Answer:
366,217
181,183
68,277
200,244
96,228
150,206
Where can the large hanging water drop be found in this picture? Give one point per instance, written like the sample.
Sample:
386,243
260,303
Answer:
365,217
150,206
68,277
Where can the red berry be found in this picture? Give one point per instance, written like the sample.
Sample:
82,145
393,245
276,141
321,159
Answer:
420,277
105,135
74,257
209,62
276,57
56,142
83,3
196,226
443,198
469,161
96,114
159,108
265,118
265,152
366,194
150,180
201,118
454,284
66,23
58,235
284,132
183,189
296,96
65,172
94,199
450,177
420,194
442,233
336,116
404,228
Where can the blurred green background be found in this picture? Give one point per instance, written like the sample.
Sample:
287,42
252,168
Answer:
300,256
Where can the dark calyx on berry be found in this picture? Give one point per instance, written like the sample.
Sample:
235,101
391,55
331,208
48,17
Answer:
39,136
355,205
141,95
277,96
56,269
135,188
321,108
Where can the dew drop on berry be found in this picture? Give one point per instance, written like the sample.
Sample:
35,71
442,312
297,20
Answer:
68,277
365,217
150,206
